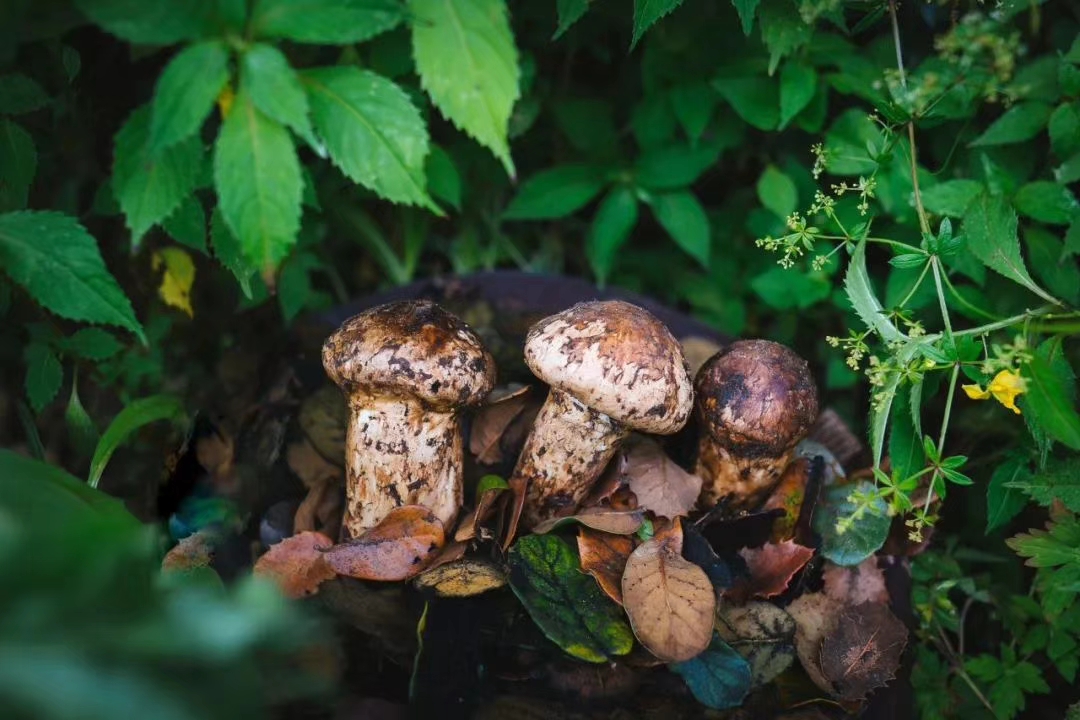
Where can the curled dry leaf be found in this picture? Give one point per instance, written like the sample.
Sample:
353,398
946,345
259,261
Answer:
760,632
296,564
617,522
771,568
855,585
669,600
864,651
788,497
399,547
659,484
493,423
462,578
603,556
319,477
194,551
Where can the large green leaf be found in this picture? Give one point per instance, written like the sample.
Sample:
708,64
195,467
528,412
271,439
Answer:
1059,481
468,64
782,29
20,94
18,165
798,83
274,87
160,22
682,216
647,12
719,678
611,227
373,131
755,99
566,603
990,230
257,176
865,536
556,192
1020,123
53,257
1050,396
186,92
135,415
863,299
229,253
1064,128
675,166
1003,500
187,224
43,374
325,22
952,197
777,192
1046,201
150,186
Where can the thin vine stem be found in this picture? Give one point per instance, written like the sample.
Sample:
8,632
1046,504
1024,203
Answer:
924,224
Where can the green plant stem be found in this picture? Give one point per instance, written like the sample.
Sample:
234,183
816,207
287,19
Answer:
924,224
942,435
915,287
960,299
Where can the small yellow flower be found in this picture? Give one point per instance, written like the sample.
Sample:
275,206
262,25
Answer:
1004,388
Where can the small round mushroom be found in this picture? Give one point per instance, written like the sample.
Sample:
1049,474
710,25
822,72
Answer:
755,400
407,370
612,368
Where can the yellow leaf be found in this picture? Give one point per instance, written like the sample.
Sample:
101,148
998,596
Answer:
225,101
179,276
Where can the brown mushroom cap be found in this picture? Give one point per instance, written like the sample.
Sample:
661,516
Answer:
615,358
757,398
412,348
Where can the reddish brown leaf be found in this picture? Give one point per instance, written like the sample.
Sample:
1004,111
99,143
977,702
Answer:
864,651
402,545
788,497
493,420
659,484
194,551
603,556
618,522
513,505
855,585
771,568
296,564
453,552
670,533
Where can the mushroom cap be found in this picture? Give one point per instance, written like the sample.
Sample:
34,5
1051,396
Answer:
756,398
615,358
413,348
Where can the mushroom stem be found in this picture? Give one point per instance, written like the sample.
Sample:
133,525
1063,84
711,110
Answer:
569,447
400,453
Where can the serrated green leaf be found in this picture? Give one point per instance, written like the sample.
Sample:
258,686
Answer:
55,260
274,87
135,415
187,224
1046,201
908,261
229,253
186,92
611,226
43,375
718,678
990,229
18,165
257,177
865,303
565,603
866,535
755,99
647,12
952,197
682,216
162,22
373,132
443,179
782,29
1003,500
777,192
1052,264
569,11
1020,123
1060,481
675,166
20,94
798,83
468,64
150,186
556,192
1050,399
1064,127
746,10
92,344
694,105
325,22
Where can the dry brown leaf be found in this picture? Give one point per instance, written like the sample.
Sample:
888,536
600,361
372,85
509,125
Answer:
603,556
815,615
311,467
324,418
670,533
492,421
771,568
762,633
669,600
512,507
788,496
462,578
194,551
659,484
399,547
864,651
617,522
296,564
855,585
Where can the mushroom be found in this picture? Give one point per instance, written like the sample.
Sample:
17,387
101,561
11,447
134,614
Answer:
755,400
612,368
407,369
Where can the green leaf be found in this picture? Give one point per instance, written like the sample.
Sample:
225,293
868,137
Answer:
1059,481
852,143
952,197
718,678
566,604
325,22
1052,264
229,253
295,291
257,177
693,105
570,11
443,179
1046,202
18,165
674,167
274,87
1068,171
135,415
785,289
755,99
682,216
186,92
373,132
84,436
1020,123
798,83
1003,500
905,453
19,94
647,12
1058,545
782,29
777,192
556,193
611,226
1064,127
866,535
53,257
187,224
150,186
587,125
1050,397
746,9
162,22
653,121
92,344
865,303
990,229
43,375
468,64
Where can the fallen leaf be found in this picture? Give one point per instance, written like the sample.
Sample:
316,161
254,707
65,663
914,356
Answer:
788,497
493,420
864,651
815,616
324,418
697,550
659,484
856,585
397,548
728,534
669,533
296,564
865,536
488,490
719,678
760,632
462,578
512,507
564,603
603,556
771,568
609,482
618,522
194,551
176,281
308,465
669,600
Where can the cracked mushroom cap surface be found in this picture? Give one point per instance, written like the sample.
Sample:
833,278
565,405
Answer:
757,398
615,358
413,348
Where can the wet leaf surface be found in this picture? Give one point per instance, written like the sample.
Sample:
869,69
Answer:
296,564
670,601
658,482
462,578
771,569
864,651
719,678
762,633
858,542
604,556
398,548
565,603
618,522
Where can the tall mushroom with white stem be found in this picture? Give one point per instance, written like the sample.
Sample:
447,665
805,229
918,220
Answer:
407,369
755,401
612,367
